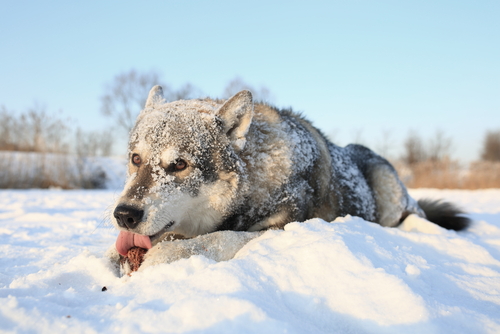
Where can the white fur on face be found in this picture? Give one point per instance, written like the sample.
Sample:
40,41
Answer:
192,216
195,215
168,201
163,135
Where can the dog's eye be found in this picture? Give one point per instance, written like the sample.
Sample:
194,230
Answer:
136,159
180,165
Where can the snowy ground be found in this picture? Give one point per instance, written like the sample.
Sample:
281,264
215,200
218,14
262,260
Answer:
349,276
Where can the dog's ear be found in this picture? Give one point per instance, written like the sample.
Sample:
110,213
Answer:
237,115
155,96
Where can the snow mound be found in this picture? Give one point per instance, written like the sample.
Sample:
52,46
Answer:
349,275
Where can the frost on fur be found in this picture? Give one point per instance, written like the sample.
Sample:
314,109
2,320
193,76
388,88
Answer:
200,166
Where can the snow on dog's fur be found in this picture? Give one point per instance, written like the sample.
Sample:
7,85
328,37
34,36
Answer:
208,168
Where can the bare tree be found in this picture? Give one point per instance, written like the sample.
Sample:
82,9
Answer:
491,146
127,94
94,143
32,131
414,150
8,128
439,147
237,84
47,132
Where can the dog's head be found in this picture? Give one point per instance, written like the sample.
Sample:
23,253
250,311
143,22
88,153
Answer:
183,170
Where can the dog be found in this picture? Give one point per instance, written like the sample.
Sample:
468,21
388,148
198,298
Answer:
211,172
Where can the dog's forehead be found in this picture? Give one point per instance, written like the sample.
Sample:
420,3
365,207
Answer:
202,106
176,124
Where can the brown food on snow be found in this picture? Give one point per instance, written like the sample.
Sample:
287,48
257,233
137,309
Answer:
134,257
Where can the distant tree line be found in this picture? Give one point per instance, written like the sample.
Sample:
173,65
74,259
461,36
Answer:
491,146
421,164
32,131
430,165
35,130
41,150
38,131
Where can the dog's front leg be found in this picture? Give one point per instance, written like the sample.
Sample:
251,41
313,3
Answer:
114,258
218,246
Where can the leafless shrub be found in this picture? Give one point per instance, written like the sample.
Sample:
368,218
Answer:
491,146
441,174
33,131
7,130
93,143
430,166
449,174
126,96
88,146
35,152
23,170
413,150
439,147
483,174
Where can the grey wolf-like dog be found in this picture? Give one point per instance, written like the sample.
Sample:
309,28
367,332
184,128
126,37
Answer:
205,176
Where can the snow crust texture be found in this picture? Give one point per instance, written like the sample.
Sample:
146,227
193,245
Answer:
347,276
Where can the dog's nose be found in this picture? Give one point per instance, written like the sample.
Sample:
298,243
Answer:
128,216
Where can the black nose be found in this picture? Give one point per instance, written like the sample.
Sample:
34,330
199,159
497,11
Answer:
128,216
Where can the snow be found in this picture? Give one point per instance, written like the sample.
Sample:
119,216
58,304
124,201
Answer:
348,276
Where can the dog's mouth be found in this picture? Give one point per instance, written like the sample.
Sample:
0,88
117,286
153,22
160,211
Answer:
158,236
127,240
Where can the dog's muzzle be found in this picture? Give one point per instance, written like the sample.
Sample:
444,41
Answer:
128,216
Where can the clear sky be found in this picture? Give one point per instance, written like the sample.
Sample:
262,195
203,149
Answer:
357,69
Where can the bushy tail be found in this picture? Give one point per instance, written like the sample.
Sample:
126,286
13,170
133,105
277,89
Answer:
444,214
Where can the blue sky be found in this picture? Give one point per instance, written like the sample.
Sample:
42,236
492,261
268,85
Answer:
357,69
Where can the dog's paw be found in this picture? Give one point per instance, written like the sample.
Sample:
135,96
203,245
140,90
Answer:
218,246
120,264
167,252
114,259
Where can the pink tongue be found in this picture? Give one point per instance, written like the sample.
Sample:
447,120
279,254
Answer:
127,240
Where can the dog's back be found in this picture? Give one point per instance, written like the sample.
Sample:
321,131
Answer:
298,174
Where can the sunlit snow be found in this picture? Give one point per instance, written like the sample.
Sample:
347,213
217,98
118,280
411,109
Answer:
348,276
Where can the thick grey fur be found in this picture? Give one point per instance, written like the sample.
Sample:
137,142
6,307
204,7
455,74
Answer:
252,167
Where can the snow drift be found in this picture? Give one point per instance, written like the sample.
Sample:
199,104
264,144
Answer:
346,276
